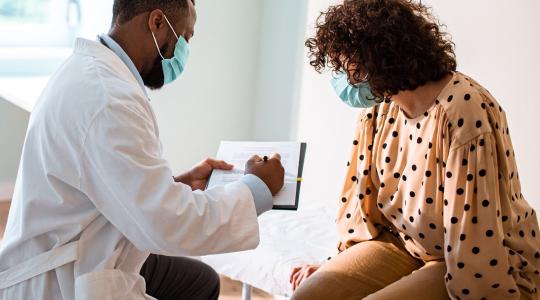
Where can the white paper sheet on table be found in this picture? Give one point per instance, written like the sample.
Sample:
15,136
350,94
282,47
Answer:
238,153
288,239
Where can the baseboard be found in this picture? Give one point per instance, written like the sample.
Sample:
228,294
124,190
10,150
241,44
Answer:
6,191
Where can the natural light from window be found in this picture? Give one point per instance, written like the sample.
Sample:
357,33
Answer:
36,36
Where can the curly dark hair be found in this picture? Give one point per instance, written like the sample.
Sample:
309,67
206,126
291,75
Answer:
394,45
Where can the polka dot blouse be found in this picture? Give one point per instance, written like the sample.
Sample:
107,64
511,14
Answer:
447,183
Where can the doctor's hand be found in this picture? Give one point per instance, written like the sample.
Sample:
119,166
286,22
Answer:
198,177
271,171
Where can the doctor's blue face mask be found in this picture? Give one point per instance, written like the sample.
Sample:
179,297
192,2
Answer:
174,66
358,95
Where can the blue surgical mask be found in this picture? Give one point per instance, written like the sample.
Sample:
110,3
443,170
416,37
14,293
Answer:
174,66
358,95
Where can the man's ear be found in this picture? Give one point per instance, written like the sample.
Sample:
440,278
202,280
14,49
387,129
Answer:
156,21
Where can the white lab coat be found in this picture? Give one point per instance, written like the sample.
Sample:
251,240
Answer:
94,187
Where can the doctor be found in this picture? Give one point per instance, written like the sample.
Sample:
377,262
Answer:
94,195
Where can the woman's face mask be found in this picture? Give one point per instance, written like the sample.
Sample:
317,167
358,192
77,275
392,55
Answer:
358,95
174,66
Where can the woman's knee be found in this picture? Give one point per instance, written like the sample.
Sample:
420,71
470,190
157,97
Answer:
359,271
312,288
326,285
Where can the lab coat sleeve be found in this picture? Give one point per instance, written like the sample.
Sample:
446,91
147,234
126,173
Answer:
124,175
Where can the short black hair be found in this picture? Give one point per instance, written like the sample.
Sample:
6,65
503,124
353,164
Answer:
125,10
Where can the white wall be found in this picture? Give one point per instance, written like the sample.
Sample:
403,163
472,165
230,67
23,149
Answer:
279,69
326,125
498,43
96,17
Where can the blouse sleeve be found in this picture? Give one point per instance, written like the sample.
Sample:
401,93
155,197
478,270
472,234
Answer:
358,214
475,253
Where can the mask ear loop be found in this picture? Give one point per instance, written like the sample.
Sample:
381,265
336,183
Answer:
176,35
157,46
155,40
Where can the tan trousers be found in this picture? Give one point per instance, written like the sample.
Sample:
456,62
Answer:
380,269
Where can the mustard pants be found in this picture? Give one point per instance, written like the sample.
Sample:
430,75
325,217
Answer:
374,270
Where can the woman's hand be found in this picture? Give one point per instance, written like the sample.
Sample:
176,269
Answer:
198,177
299,274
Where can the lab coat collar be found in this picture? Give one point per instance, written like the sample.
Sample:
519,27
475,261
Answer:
117,49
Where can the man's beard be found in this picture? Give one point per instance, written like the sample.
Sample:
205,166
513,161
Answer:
155,78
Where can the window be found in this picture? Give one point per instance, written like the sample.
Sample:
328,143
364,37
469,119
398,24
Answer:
43,23
26,11
36,36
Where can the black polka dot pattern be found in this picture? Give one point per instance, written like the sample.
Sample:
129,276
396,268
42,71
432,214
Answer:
431,177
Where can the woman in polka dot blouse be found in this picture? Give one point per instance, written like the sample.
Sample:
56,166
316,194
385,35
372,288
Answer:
431,206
